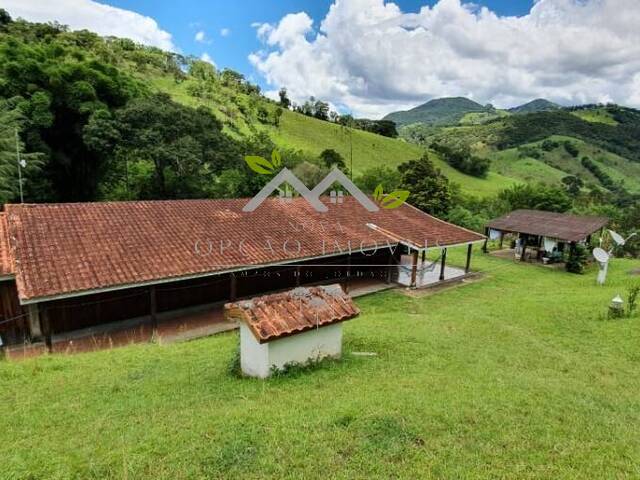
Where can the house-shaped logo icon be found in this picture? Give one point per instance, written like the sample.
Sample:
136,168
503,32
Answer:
311,196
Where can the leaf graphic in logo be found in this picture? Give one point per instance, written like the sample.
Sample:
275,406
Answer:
276,158
395,199
259,165
377,193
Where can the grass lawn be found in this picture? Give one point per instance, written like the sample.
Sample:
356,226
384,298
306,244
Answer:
514,376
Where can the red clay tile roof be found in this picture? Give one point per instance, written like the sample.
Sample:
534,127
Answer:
6,267
570,228
282,314
69,248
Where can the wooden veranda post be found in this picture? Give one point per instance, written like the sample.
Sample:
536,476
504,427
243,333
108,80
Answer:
524,238
443,263
467,267
414,270
46,327
486,240
154,311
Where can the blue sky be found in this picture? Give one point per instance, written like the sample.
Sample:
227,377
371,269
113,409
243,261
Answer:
374,57
183,19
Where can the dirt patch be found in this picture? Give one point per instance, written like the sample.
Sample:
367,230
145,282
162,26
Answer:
635,271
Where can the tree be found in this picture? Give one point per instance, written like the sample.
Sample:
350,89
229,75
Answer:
321,110
5,18
537,197
330,158
284,99
573,185
430,191
385,176
185,145
202,70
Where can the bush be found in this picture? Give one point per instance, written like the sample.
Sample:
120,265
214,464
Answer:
577,259
461,159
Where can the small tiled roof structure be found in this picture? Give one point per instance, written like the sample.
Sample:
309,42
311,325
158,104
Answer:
79,248
6,267
283,314
563,226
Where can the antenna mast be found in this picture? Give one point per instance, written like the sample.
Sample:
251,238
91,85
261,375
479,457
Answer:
19,165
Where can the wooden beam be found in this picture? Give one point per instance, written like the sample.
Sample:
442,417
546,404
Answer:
35,327
414,270
46,327
443,263
298,275
486,240
525,239
467,268
153,308
390,263
501,240
346,282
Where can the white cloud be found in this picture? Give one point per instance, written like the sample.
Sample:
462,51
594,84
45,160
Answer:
97,17
205,57
374,58
200,36
225,32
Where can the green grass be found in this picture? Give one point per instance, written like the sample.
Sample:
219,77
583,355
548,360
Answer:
370,150
555,165
596,115
300,132
515,376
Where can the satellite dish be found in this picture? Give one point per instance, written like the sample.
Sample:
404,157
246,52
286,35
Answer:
602,256
620,241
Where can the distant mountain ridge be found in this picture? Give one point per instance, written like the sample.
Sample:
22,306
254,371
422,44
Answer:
537,105
439,111
451,110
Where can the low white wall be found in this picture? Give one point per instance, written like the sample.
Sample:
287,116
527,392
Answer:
258,359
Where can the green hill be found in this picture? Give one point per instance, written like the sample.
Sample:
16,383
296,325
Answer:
440,111
77,85
537,105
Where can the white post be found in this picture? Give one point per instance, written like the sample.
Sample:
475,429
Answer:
19,165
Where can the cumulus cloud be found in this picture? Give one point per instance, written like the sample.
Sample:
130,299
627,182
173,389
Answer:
225,32
205,57
97,17
200,36
373,58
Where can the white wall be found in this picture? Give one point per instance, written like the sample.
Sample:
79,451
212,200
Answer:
257,359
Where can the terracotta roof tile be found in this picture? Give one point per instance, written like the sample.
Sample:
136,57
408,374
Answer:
6,266
282,314
563,226
69,248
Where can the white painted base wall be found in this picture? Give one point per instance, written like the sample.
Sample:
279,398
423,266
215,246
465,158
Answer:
257,359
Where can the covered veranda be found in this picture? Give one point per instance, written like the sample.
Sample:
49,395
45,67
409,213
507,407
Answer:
540,236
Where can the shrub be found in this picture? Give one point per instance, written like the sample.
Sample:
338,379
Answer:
577,259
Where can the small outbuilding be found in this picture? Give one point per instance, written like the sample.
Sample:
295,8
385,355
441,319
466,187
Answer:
294,327
541,235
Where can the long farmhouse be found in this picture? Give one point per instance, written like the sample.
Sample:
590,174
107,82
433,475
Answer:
65,267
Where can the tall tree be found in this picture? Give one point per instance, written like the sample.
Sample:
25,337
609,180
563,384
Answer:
284,99
430,190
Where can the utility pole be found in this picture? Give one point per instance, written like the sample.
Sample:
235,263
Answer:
19,165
